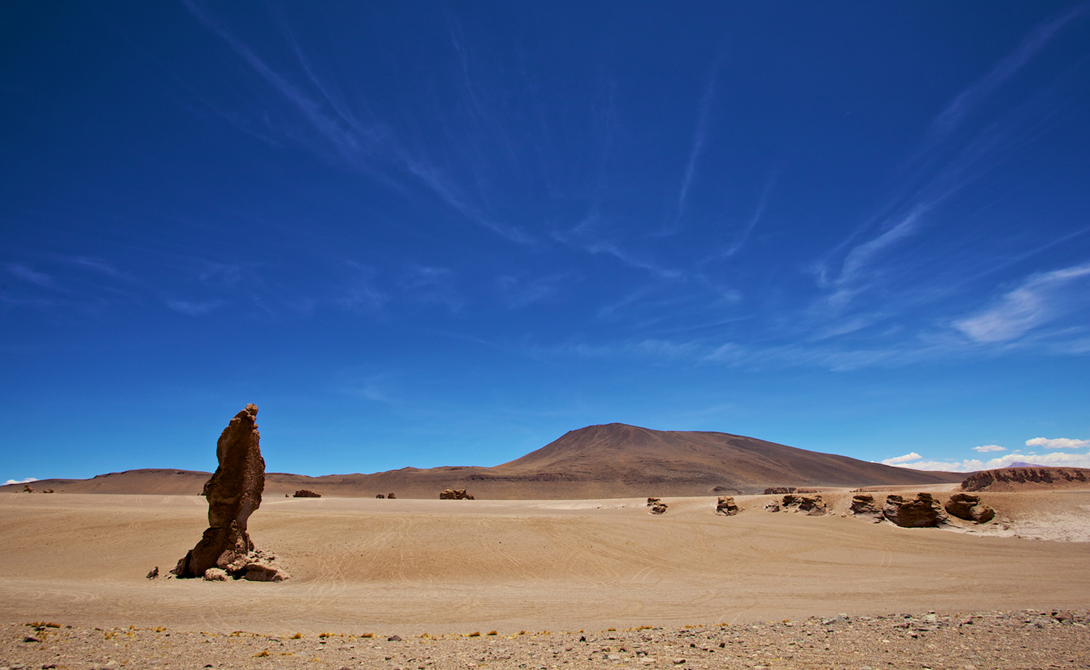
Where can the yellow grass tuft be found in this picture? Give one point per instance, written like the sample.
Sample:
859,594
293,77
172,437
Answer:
474,634
492,632
368,635
262,654
297,636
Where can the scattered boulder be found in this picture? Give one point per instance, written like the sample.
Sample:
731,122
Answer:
381,497
651,502
863,505
773,506
923,512
455,494
27,489
391,496
154,574
659,508
215,575
304,493
48,491
726,506
968,507
233,493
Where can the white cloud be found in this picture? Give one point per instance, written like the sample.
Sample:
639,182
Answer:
21,481
989,447
1055,459
1041,298
1057,443
902,459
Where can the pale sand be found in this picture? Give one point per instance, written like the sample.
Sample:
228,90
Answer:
413,566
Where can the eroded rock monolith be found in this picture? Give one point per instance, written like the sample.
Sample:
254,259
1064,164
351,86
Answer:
233,494
863,505
455,494
968,507
923,512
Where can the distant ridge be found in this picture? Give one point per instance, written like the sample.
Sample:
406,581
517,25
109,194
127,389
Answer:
604,461
1029,478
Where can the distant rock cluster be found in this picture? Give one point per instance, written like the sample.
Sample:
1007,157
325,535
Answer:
233,494
305,493
455,494
726,506
809,505
657,506
780,490
921,512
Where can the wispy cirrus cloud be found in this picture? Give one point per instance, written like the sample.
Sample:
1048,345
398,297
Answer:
31,276
971,97
195,307
697,147
369,147
1041,298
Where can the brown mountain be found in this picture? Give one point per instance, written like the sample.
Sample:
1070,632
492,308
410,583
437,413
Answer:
608,461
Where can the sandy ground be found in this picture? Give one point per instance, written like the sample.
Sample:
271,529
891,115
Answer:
413,566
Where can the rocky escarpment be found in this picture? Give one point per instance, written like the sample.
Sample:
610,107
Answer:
1015,479
233,494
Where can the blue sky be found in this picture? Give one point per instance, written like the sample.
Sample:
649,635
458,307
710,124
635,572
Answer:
425,234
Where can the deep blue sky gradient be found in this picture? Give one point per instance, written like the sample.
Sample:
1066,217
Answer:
425,234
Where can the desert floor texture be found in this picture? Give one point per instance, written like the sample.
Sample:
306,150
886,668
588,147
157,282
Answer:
447,569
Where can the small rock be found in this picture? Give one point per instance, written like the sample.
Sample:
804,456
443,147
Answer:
154,573
215,575
394,638
31,638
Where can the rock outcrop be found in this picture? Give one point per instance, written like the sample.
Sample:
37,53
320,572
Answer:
305,493
380,496
863,505
27,489
233,494
651,502
1015,479
726,506
809,505
391,496
923,512
455,494
968,507
659,508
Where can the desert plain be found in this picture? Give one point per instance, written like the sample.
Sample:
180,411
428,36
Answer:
542,571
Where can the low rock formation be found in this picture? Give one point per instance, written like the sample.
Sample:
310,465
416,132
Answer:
233,494
391,496
863,505
380,496
651,502
304,493
154,574
726,506
659,508
780,490
27,489
923,512
811,506
968,506
455,494
1014,479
